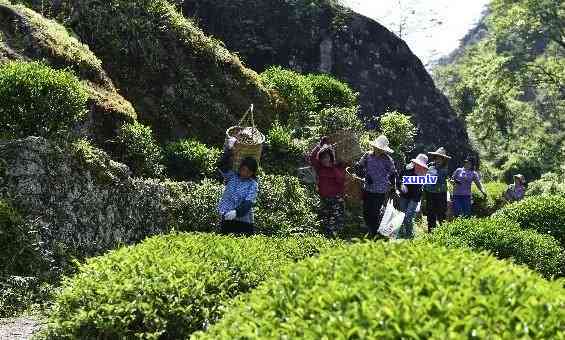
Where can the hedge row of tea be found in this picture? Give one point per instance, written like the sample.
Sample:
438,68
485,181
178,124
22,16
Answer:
504,239
397,291
169,286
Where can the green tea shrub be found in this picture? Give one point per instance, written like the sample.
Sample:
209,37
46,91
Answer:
38,100
137,148
504,239
188,159
19,244
169,286
544,214
398,291
281,154
331,92
399,130
296,90
334,119
550,183
285,207
495,199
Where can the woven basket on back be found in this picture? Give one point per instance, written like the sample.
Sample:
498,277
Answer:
346,144
245,149
353,186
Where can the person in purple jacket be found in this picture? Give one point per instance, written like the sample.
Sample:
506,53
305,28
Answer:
379,172
463,178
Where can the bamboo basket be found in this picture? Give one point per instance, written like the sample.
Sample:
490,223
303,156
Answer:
346,144
353,186
243,150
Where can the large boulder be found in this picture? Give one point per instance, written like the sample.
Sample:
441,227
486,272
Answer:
324,37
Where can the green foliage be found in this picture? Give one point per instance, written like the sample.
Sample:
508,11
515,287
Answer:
548,184
285,207
399,130
281,154
504,239
544,214
189,159
333,119
494,201
296,90
19,248
398,291
137,148
332,92
20,294
38,100
169,286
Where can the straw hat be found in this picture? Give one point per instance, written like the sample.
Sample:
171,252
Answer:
421,160
381,143
521,178
440,152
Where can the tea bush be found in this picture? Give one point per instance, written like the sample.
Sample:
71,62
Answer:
188,159
334,119
36,100
296,90
544,214
331,92
550,183
137,148
281,154
494,201
169,286
398,291
504,239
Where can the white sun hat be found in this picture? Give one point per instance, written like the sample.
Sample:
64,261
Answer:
421,160
381,143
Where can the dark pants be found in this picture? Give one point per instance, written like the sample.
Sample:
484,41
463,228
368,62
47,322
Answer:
332,214
436,208
372,211
462,206
236,228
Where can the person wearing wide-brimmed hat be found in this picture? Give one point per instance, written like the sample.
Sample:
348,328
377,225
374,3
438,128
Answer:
379,172
515,192
410,193
436,194
463,179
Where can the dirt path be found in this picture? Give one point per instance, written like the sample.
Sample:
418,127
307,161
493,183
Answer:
18,328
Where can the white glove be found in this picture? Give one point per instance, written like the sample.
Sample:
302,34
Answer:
404,188
231,142
230,215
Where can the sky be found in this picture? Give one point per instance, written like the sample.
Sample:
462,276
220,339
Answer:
432,28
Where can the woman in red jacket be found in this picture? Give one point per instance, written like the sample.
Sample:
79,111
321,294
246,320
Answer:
331,185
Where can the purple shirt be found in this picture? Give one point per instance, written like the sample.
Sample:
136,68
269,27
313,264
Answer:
379,169
463,180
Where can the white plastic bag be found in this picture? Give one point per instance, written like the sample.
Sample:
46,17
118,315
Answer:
391,221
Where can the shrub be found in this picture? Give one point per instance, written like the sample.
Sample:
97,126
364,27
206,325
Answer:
137,148
189,159
37,100
334,119
285,207
331,92
399,130
521,164
504,239
494,201
545,214
549,184
169,286
281,154
20,294
296,90
19,248
398,291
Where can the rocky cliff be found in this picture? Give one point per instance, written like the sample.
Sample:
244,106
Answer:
321,36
